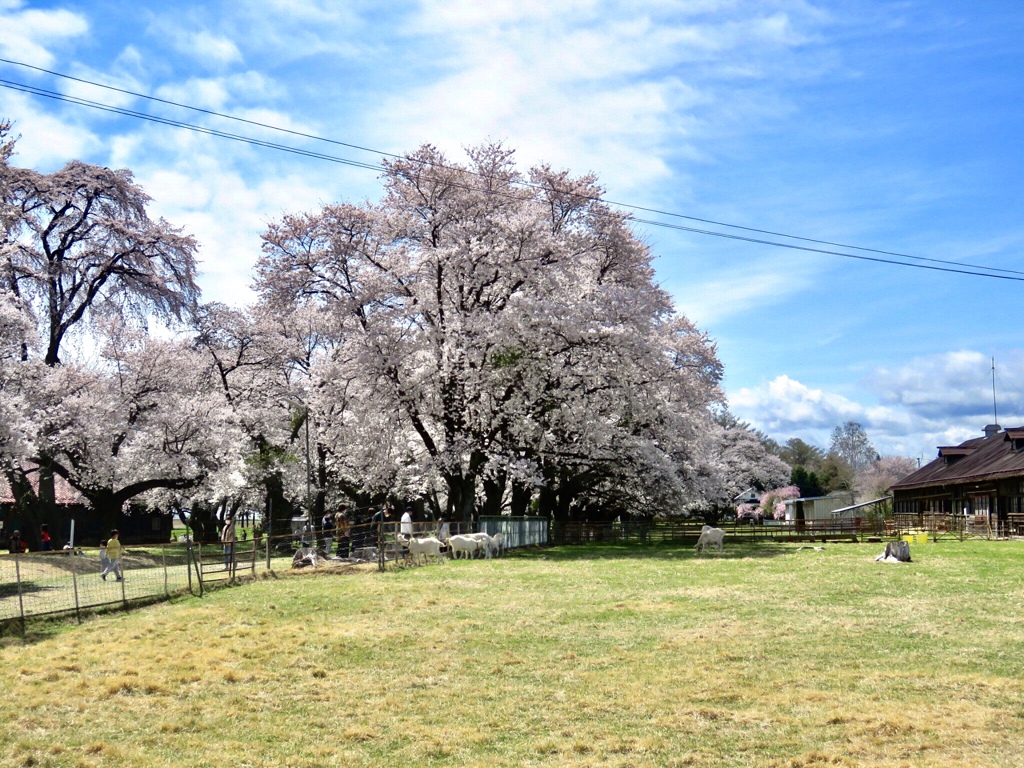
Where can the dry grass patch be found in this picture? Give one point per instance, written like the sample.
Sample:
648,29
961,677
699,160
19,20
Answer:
599,656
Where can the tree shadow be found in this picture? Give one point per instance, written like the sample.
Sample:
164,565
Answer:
10,589
656,551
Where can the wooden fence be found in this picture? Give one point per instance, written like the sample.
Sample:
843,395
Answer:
689,531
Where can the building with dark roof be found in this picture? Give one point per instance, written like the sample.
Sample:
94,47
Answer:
982,480
136,524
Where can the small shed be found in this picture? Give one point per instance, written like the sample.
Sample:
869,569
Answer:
817,507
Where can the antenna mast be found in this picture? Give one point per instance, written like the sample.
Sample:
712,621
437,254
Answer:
995,413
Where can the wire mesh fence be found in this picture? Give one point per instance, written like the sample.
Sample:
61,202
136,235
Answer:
69,582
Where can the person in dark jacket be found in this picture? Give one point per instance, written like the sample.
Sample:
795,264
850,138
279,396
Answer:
15,544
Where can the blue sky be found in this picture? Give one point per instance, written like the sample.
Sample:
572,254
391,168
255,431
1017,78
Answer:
889,125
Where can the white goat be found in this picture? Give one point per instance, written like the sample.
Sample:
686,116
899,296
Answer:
467,544
499,542
425,547
710,537
488,545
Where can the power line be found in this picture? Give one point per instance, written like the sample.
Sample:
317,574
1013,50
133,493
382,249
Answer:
210,112
79,101
759,241
381,153
179,124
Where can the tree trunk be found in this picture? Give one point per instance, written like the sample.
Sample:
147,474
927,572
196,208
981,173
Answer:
321,482
461,497
564,498
546,502
278,512
107,507
521,495
494,493
27,509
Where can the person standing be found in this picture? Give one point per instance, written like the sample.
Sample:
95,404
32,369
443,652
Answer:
327,527
377,521
227,540
407,522
114,555
44,538
16,546
344,532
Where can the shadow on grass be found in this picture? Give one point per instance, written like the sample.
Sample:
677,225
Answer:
27,588
659,551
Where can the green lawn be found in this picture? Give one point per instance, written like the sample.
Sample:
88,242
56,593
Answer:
611,656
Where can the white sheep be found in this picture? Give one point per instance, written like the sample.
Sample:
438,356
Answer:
425,547
713,537
464,543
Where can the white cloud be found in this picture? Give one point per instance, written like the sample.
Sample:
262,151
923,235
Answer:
711,296
956,386
212,50
28,35
933,400
224,196
47,140
116,78
600,86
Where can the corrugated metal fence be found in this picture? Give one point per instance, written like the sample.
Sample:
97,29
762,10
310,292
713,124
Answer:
517,531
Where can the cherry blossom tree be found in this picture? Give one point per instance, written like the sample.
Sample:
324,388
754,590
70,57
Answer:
147,419
514,328
79,245
733,458
771,504
80,253
17,335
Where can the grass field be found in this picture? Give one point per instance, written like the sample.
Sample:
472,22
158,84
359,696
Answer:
612,656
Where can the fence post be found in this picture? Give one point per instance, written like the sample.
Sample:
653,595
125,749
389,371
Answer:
198,560
74,582
188,563
380,544
21,600
124,596
163,556
270,527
